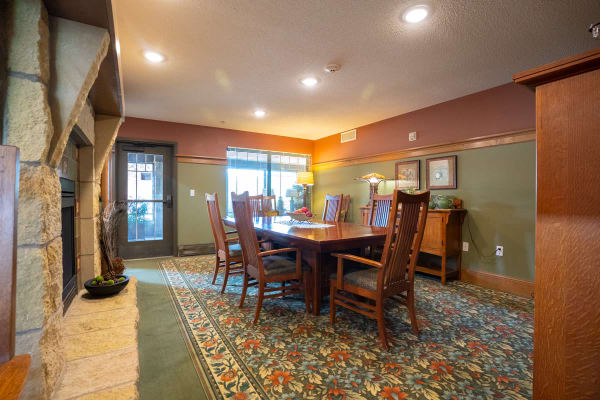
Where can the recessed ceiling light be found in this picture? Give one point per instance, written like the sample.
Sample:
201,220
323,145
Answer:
154,57
309,81
259,113
415,14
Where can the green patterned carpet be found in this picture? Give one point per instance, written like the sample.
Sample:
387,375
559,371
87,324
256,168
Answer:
474,344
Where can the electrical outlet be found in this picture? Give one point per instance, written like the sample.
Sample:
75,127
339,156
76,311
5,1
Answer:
412,136
465,246
500,251
192,192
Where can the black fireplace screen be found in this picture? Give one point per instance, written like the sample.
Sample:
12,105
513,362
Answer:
68,241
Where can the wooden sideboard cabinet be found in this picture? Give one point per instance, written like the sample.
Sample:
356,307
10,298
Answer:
442,237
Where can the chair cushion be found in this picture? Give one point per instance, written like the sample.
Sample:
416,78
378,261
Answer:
364,278
277,265
235,250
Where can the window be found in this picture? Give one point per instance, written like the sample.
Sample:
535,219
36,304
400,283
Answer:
268,173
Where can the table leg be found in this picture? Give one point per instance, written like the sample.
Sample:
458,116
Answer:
313,259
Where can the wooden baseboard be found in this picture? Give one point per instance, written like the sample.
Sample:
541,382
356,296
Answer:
520,287
195,249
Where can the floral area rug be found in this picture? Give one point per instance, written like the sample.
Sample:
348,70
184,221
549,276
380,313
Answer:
475,343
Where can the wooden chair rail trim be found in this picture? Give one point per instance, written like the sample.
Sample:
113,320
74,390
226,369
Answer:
188,158
526,135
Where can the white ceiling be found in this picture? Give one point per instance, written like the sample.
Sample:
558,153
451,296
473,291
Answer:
224,58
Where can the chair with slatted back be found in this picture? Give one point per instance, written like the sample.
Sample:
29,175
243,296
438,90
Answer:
269,206
267,267
13,370
379,211
256,204
333,207
345,208
228,253
391,277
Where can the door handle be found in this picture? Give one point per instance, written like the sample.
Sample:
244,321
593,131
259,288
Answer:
169,201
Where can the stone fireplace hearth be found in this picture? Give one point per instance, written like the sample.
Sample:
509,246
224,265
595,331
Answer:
52,65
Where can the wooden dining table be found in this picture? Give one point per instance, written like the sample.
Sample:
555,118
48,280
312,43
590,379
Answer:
316,243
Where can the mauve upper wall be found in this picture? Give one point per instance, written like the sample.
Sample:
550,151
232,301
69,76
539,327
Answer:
501,109
205,141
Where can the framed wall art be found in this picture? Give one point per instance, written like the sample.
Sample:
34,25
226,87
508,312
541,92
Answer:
408,175
441,172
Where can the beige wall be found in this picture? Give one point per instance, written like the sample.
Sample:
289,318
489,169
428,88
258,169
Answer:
193,226
497,185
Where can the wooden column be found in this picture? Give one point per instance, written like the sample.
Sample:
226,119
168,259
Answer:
567,270
9,193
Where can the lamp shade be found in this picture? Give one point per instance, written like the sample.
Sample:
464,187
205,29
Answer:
373,178
305,178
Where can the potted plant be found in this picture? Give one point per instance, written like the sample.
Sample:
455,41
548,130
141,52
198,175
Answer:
111,280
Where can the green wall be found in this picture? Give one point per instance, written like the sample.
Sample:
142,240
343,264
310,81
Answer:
497,185
193,226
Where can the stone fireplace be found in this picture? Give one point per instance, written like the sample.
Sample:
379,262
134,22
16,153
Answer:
52,90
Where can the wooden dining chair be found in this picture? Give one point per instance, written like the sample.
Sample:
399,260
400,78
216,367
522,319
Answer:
391,277
333,207
345,208
228,253
269,206
256,204
267,267
13,369
381,204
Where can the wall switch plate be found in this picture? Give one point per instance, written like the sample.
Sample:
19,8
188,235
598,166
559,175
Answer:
192,192
465,246
412,136
500,251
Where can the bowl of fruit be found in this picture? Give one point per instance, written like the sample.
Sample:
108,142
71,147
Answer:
301,214
99,286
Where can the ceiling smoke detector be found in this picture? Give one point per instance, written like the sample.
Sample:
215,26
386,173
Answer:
332,67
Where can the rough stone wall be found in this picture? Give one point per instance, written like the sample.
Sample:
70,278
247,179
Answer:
27,124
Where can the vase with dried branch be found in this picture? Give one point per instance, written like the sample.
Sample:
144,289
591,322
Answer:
110,219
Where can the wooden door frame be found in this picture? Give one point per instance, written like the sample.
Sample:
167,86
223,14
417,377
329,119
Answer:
173,145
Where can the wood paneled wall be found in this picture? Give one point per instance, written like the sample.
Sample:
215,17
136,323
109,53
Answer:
567,275
9,191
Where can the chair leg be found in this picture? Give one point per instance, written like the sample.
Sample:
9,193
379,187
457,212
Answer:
381,324
306,291
261,294
244,289
410,303
332,291
216,269
226,277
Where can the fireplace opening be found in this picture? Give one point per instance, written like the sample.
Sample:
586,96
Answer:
68,242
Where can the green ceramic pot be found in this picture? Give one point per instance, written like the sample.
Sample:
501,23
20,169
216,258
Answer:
444,201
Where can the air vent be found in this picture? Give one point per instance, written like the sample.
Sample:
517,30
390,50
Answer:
348,136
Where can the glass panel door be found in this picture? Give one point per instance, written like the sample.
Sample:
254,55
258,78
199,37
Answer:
144,183
144,196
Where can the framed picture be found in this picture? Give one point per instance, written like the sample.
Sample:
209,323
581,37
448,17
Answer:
408,175
441,172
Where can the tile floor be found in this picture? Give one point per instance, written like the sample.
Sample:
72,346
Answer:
101,347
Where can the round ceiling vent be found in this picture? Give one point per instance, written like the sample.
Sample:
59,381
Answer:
332,67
